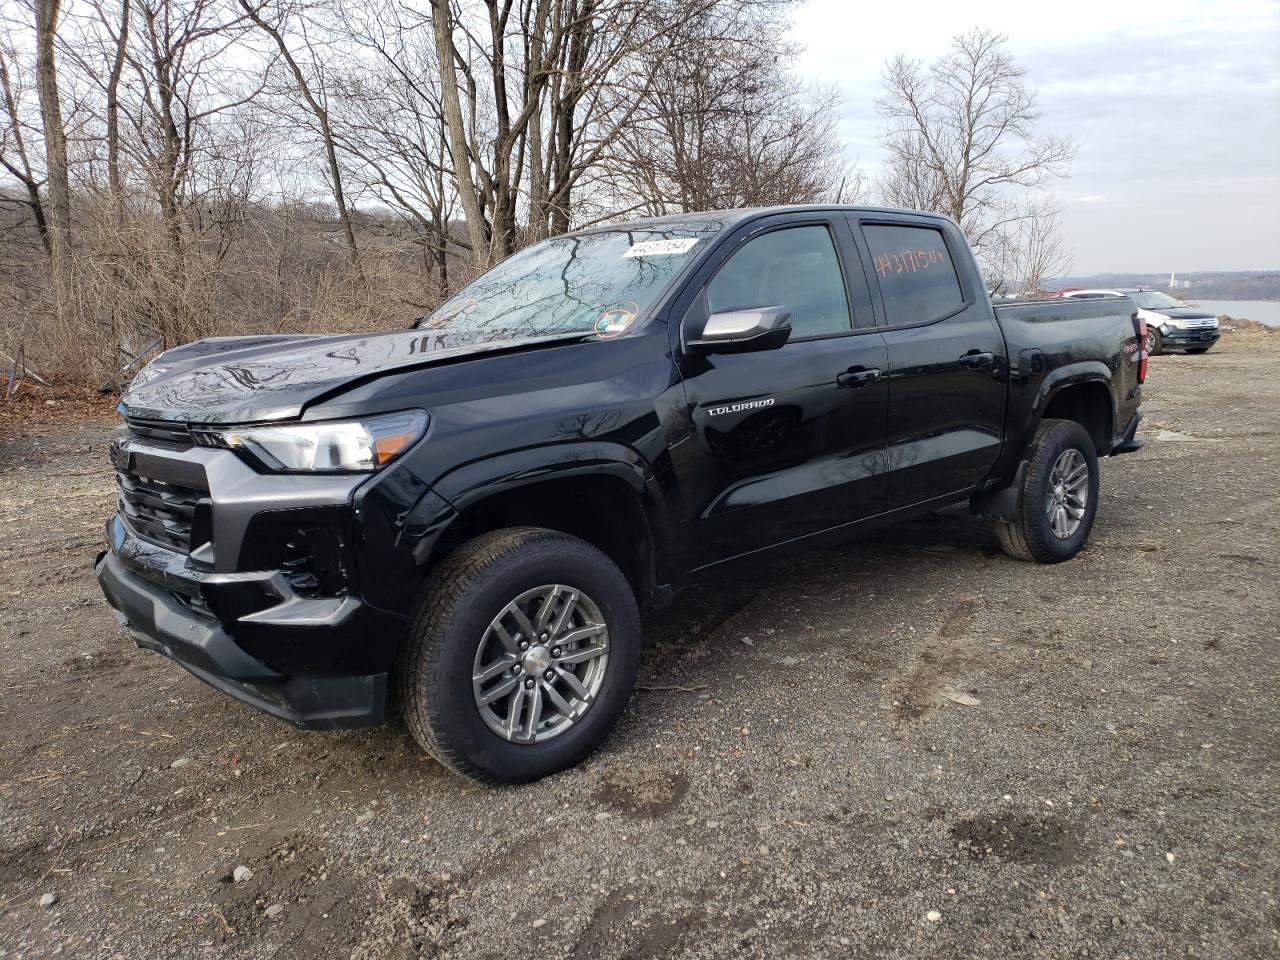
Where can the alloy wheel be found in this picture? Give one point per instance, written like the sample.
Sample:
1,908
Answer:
540,664
1068,494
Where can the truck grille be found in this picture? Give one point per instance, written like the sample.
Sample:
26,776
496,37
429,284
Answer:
159,431
159,511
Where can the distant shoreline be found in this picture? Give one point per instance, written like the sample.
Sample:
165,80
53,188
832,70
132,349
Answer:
1266,312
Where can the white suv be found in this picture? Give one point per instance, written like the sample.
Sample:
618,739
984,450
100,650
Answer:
1171,324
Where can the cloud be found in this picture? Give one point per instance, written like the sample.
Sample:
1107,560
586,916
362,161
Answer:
1175,107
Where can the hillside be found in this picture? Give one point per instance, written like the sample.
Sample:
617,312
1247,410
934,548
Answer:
1209,285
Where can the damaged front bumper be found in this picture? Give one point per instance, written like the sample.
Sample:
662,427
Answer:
158,622
267,608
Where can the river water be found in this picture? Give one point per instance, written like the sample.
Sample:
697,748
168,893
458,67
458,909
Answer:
1264,311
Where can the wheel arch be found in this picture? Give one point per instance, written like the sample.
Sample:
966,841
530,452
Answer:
601,493
1080,392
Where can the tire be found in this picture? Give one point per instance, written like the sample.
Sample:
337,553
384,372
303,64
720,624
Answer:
473,588
1155,342
1197,349
1032,536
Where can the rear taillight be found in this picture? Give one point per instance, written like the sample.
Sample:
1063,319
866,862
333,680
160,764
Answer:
1141,326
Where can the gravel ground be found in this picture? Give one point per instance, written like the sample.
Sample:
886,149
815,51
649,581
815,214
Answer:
905,747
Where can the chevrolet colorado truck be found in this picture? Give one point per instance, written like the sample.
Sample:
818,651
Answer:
462,520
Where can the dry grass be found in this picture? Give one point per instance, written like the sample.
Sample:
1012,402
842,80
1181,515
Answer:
131,284
33,408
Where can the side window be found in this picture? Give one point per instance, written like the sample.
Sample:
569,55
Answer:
917,278
797,268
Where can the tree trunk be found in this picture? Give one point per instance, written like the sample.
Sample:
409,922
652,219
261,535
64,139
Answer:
114,176
55,138
442,22
564,110
537,181
23,168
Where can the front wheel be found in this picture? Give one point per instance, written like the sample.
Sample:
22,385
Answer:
521,655
1155,342
1059,496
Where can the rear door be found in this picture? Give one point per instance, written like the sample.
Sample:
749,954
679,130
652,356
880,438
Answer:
787,442
946,355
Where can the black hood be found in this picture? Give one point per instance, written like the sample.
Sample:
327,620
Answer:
1185,313
249,379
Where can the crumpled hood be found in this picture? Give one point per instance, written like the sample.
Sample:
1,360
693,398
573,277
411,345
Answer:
249,379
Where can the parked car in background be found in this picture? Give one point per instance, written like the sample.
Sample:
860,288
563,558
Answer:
471,512
1171,324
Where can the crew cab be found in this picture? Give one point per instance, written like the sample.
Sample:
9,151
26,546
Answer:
1170,322
464,518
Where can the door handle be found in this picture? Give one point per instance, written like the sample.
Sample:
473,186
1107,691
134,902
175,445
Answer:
856,377
978,360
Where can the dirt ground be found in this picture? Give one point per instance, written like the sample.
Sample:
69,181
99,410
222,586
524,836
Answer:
1071,761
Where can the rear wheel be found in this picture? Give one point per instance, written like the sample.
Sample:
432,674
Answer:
521,656
1155,342
1059,496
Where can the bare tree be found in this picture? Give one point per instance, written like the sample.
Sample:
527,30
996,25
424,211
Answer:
389,122
595,92
120,34
443,22
58,208
1030,250
447,134
315,95
724,125
961,135
537,93
15,156
182,83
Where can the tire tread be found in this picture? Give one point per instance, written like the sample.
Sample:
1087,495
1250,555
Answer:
1022,539
458,573
1013,541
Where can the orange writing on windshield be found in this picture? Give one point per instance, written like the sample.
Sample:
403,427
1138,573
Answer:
907,261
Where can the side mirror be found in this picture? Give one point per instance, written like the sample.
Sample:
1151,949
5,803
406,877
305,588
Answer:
744,331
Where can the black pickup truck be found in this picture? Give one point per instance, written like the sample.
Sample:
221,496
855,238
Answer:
464,518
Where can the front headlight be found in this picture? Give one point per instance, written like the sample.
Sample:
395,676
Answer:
329,446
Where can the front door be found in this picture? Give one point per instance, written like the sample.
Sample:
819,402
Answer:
787,442
947,365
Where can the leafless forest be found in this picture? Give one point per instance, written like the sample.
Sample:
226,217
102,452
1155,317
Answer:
173,169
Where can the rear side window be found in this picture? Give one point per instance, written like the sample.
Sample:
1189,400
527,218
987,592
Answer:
796,268
917,278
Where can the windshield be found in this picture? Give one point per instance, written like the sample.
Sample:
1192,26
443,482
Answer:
593,283
1155,301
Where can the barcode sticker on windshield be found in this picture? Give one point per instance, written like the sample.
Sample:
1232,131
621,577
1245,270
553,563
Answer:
661,248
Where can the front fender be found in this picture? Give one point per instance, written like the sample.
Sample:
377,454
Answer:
468,485
465,485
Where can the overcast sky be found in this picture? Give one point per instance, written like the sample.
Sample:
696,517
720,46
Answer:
1174,105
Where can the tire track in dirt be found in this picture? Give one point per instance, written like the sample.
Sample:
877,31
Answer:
940,662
